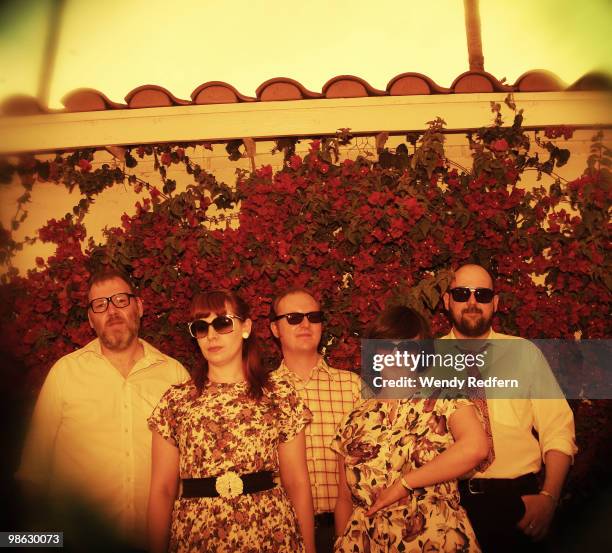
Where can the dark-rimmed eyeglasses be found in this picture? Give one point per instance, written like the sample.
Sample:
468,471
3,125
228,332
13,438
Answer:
462,294
223,324
120,300
313,317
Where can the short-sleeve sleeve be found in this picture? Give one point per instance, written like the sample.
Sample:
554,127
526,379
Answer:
165,417
338,443
448,407
347,428
293,414
444,409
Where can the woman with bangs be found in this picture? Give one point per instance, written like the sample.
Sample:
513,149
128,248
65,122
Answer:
217,442
399,460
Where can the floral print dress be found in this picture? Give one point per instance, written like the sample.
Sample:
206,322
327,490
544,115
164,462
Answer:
377,440
225,430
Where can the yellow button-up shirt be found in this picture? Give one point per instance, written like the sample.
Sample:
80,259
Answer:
330,394
89,434
517,450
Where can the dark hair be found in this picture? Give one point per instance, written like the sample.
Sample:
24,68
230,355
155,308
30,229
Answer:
205,303
287,292
399,323
108,273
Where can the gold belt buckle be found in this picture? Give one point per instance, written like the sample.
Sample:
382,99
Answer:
229,484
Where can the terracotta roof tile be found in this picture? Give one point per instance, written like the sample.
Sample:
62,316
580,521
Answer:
538,80
348,86
478,81
407,84
593,81
152,96
89,99
218,92
283,88
22,104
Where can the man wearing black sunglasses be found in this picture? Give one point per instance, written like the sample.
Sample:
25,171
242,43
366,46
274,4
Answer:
508,508
89,437
330,394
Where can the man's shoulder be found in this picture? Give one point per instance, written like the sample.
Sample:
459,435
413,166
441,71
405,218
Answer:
152,352
91,348
172,368
501,336
344,376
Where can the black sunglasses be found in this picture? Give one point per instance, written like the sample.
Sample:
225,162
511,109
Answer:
462,294
296,318
223,324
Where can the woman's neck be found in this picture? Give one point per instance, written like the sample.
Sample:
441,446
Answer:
226,374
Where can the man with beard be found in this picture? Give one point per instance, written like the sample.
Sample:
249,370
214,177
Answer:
507,506
89,439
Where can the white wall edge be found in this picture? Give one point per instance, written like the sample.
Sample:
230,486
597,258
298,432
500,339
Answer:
269,120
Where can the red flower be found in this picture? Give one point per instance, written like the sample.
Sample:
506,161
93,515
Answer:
295,162
377,198
499,145
85,165
264,172
166,158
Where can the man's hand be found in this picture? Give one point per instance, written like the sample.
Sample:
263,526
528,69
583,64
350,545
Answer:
387,496
539,512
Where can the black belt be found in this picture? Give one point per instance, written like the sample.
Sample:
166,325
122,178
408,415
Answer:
324,519
229,484
476,486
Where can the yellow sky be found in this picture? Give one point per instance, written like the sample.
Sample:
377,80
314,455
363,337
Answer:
117,45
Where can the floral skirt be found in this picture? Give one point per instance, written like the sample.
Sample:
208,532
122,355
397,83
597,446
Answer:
430,525
250,523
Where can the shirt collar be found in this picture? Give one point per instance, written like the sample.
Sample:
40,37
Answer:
492,335
487,342
320,366
151,354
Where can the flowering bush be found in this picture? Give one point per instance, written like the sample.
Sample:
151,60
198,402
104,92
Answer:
360,233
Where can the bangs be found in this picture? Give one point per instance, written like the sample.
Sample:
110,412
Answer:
399,323
210,302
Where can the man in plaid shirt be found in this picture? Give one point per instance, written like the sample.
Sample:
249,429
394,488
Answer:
329,393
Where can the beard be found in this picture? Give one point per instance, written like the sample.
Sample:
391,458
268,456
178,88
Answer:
119,333
472,326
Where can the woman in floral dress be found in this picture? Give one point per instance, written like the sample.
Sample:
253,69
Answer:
221,436
398,464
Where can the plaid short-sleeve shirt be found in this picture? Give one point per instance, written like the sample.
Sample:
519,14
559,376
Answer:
330,394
